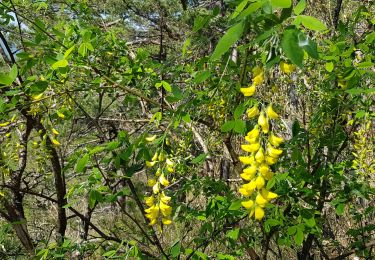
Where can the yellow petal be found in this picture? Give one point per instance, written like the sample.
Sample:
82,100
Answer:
245,192
166,221
156,188
252,140
253,133
260,182
259,213
270,160
163,181
55,132
149,201
260,200
4,124
55,142
169,162
250,147
287,68
275,140
250,170
246,159
252,112
263,122
264,169
150,138
271,113
247,204
273,152
259,156
61,115
37,97
155,157
150,164
151,182
249,91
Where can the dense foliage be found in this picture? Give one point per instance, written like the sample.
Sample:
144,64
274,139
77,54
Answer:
187,129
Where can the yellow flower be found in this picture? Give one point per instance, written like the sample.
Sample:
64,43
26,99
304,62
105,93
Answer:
55,142
259,213
155,157
273,152
249,91
152,212
263,122
61,115
165,209
158,172
166,221
151,182
287,68
170,169
247,204
150,164
275,140
250,147
270,160
260,182
4,124
248,176
264,169
150,138
164,198
246,159
149,201
269,195
250,170
251,140
259,156
254,111
245,192
258,77
169,162
163,181
271,113
253,133
37,97
156,188
260,200
55,132
250,186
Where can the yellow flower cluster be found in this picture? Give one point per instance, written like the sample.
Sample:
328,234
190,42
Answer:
262,153
258,79
364,162
157,203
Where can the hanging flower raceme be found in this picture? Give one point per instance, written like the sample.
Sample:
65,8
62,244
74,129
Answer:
262,152
159,209
258,78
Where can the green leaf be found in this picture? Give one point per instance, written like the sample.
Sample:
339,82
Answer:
5,79
230,37
201,76
94,196
110,253
239,9
281,3
81,163
200,22
239,126
240,109
233,234
68,52
227,126
312,23
329,66
112,145
308,45
298,237
176,249
271,183
310,222
291,230
199,159
291,47
300,7
13,73
60,64
340,209
166,86
236,205
359,91
186,118
250,9
177,93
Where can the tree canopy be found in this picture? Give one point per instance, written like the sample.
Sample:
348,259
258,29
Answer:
191,129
